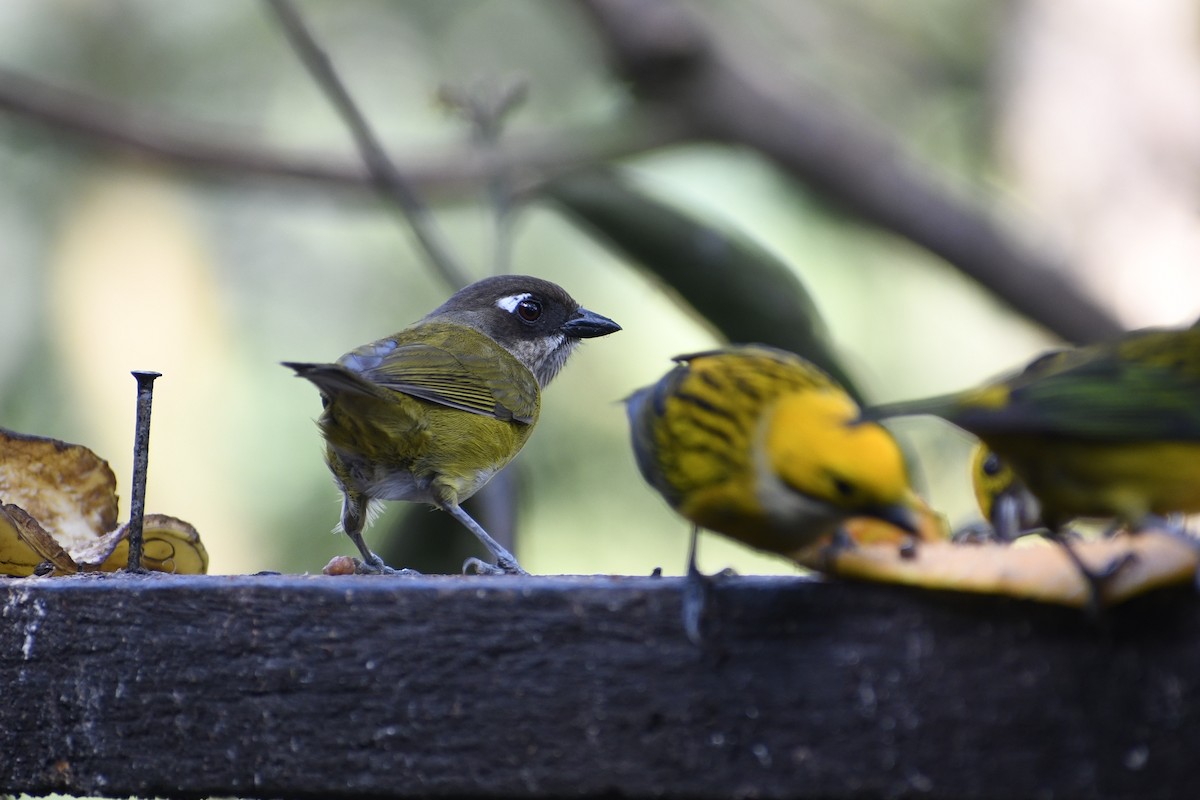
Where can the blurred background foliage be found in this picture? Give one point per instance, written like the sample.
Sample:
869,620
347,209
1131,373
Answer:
1075,123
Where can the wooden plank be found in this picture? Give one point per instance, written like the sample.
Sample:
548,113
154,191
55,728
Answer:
268,686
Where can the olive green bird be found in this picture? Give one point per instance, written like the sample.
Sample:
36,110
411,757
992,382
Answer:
1110,430
431,413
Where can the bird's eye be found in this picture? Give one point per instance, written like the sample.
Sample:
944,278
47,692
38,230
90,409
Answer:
991,465
529,310
843,487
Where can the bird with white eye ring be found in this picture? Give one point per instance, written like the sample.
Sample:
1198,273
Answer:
430,414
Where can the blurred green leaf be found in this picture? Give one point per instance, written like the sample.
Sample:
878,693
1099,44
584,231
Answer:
741,290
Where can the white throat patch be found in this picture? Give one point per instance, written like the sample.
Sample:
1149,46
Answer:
511,302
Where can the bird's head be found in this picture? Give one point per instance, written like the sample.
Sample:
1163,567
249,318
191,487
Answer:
818,445
534,319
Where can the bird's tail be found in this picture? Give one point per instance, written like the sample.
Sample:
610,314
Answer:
940,406
333,378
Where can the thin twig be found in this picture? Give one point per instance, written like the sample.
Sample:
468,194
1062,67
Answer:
210,149
485,105
383,172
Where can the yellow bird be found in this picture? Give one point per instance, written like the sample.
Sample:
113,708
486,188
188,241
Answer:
1004,500
759,445
1110,430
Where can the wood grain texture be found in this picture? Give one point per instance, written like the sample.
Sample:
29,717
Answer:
269,686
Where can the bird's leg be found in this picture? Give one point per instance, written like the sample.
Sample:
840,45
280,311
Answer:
839,542
1095,579
371,563
353,516
1174,524
506,562
695,594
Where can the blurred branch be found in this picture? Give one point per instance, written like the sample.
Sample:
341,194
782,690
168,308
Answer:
671,61
383,172
689,87
106,123
486,105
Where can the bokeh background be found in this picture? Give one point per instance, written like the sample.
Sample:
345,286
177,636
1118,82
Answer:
1074,123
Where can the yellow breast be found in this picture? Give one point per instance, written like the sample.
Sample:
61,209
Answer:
1100,479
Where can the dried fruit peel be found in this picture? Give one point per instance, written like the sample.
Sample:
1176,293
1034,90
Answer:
168,545
1046,574
60,507
17,557
67,488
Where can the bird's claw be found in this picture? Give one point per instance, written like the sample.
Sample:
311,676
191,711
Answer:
377,567
977,533
503,566
1115,565
1096,580
839,543
693,604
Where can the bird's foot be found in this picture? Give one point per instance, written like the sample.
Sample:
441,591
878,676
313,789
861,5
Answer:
694,605
503,566
1096,580
977,533
1173,524
377,567
839,543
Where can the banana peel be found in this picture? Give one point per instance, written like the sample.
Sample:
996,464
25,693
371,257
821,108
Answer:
931,527
1031,569
58,511
66,487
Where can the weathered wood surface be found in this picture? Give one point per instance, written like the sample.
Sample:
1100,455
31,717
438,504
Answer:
272,686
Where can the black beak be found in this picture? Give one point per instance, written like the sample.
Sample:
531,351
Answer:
588,325
902,517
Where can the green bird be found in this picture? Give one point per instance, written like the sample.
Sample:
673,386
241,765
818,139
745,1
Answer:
1110,430
1008,507
431,413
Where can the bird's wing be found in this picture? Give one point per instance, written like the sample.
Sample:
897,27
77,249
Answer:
1106,398
1146,387
646,408
492,383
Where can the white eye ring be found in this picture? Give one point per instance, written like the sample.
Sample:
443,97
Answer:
511,302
